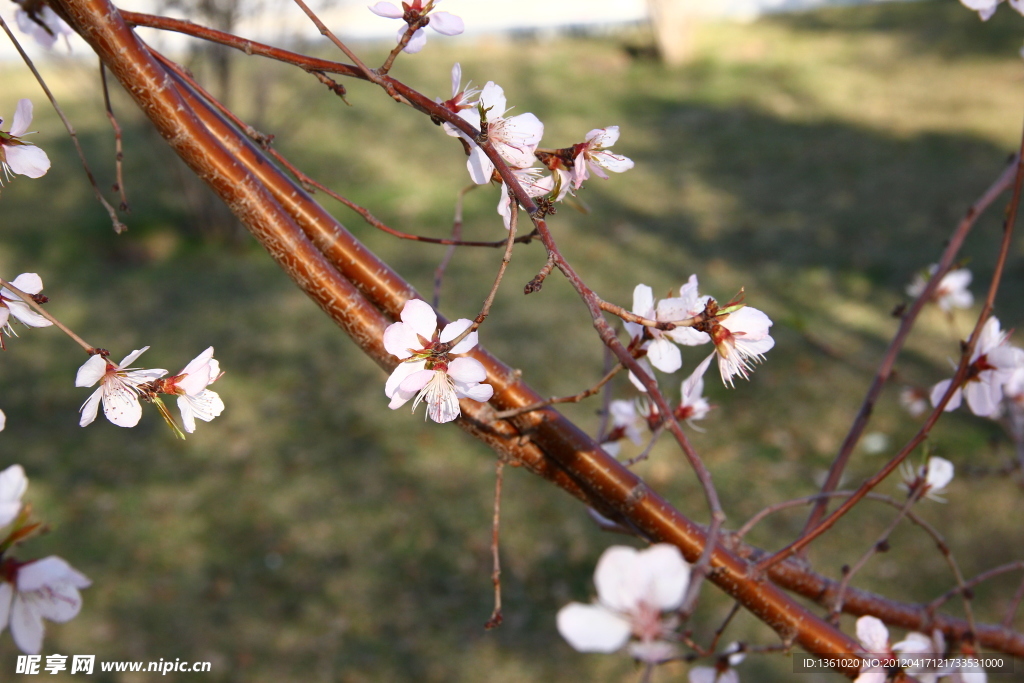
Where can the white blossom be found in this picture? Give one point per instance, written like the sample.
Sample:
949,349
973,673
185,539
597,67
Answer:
951,291
444,23
118,388
741,339
514,138
874,636
692,404
43,589
992,366
936,475
428,372
16,155
11,305
633,588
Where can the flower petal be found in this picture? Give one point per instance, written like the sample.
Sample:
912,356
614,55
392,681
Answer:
90,408
467,370
91,371
664,355
643,301
399,374
30,283
446,23
416,43
131,357
387,9
614,578
26,625
13,484
26,316
28,160
481,393
873,635
22,119
592,628
400,339
480,167
664,575
121,405
454,329
419,314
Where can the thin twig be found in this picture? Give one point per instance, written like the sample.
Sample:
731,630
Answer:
1011,610
369,73
575,398
27,299
650,445
119,227
506,258
907,322
310,183
876,547
961,374
496,617
450,251
119,150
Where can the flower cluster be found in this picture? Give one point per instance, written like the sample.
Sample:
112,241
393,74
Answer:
874,636
16,155
739,332
34,590
427,371
122,388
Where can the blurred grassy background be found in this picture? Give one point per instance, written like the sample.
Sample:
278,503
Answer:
311,534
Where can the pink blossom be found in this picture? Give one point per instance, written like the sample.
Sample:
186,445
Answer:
16,155
190,386
634,587
428,372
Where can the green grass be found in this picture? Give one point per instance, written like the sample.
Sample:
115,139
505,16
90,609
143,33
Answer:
311,534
